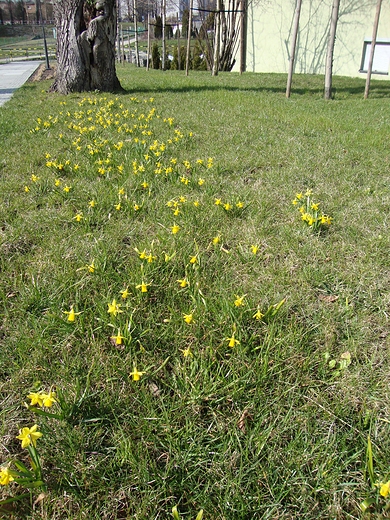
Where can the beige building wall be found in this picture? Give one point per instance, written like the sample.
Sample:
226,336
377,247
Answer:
269,27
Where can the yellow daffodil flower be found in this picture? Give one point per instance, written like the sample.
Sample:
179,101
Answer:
239,301
72,314
136,375
216,240
188,318
258,315
194,259
186,352
49,399
36,399
118,338
125,293
254,249
114,308
29,436
183,282
326,220
91,203
175,229
91,267
385,489
5,476
227,206
143,286
232,341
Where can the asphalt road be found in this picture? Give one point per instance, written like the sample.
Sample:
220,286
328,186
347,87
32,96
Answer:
13,75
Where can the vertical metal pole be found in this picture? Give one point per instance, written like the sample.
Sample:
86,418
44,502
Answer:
123,44
148,50
136,32
118,37
189,31
44,38
178,42
163,16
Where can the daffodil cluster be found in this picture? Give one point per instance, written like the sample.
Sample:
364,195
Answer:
17,472
42,399
113,165
310,211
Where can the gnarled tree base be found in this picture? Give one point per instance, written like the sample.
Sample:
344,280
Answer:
86,33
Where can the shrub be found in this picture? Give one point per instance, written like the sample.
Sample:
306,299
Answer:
156,59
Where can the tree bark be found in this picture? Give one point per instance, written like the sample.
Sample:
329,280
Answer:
330,50
293,45
243,35
217,37
85,46
373,43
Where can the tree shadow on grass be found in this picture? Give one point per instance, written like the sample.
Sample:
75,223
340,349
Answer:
305,85
339,92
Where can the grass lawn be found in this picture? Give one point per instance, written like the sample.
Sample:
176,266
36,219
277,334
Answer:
208,348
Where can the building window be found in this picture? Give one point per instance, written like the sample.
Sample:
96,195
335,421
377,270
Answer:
381,63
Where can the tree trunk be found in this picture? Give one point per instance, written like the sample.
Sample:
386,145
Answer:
38,11
329,52
243,36
85,46
373,43
217,37
293,45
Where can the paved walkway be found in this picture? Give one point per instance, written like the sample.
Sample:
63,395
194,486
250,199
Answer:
13,75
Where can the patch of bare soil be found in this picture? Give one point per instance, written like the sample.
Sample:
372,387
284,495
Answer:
42,73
